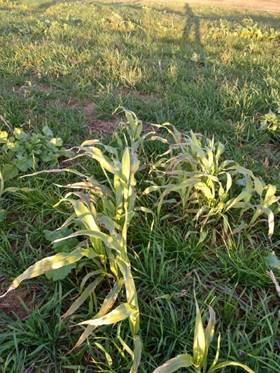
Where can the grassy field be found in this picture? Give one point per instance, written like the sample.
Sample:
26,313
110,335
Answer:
69,65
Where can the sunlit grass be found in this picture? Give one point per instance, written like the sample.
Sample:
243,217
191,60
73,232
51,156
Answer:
68,65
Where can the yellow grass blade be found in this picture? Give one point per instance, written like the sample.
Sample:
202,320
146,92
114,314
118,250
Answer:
83,297
126,165
172,365
231,364
107,304
199,342
136,354
122,312
47,264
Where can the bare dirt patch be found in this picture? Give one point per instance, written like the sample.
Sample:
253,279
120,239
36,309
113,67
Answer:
17,304
88,108
143,96
89,111
269,156
43,88
103,126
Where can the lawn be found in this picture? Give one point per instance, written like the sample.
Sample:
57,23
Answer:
65,66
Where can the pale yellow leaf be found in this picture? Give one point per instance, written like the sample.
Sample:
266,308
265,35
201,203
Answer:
172,365
47,264
122,312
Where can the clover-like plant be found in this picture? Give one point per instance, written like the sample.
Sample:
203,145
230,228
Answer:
198,362
23,151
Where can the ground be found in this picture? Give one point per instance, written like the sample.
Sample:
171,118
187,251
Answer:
271,6
205,68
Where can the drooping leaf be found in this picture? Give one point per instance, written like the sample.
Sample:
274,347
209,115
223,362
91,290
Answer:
231,364
47,264
106,306
178,362
122,312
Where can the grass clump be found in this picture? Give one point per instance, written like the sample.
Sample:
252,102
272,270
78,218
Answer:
198,362
104,207
222,197
68,65
103,214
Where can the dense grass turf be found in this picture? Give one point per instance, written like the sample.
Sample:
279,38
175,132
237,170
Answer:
69,64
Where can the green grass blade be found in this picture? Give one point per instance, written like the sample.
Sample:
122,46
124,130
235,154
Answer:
82,298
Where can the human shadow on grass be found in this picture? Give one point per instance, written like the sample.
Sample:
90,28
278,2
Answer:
192,25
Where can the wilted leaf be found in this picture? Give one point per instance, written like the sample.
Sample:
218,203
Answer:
230,364
107,304
178,362
122,312
47,264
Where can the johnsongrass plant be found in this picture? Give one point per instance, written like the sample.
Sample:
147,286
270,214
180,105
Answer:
104,212
221,196
198,361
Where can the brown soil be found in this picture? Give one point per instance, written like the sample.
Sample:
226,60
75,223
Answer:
90,110
16,304
103,126
146,97
269,157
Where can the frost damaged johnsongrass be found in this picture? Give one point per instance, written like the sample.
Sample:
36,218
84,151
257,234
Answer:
104,212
